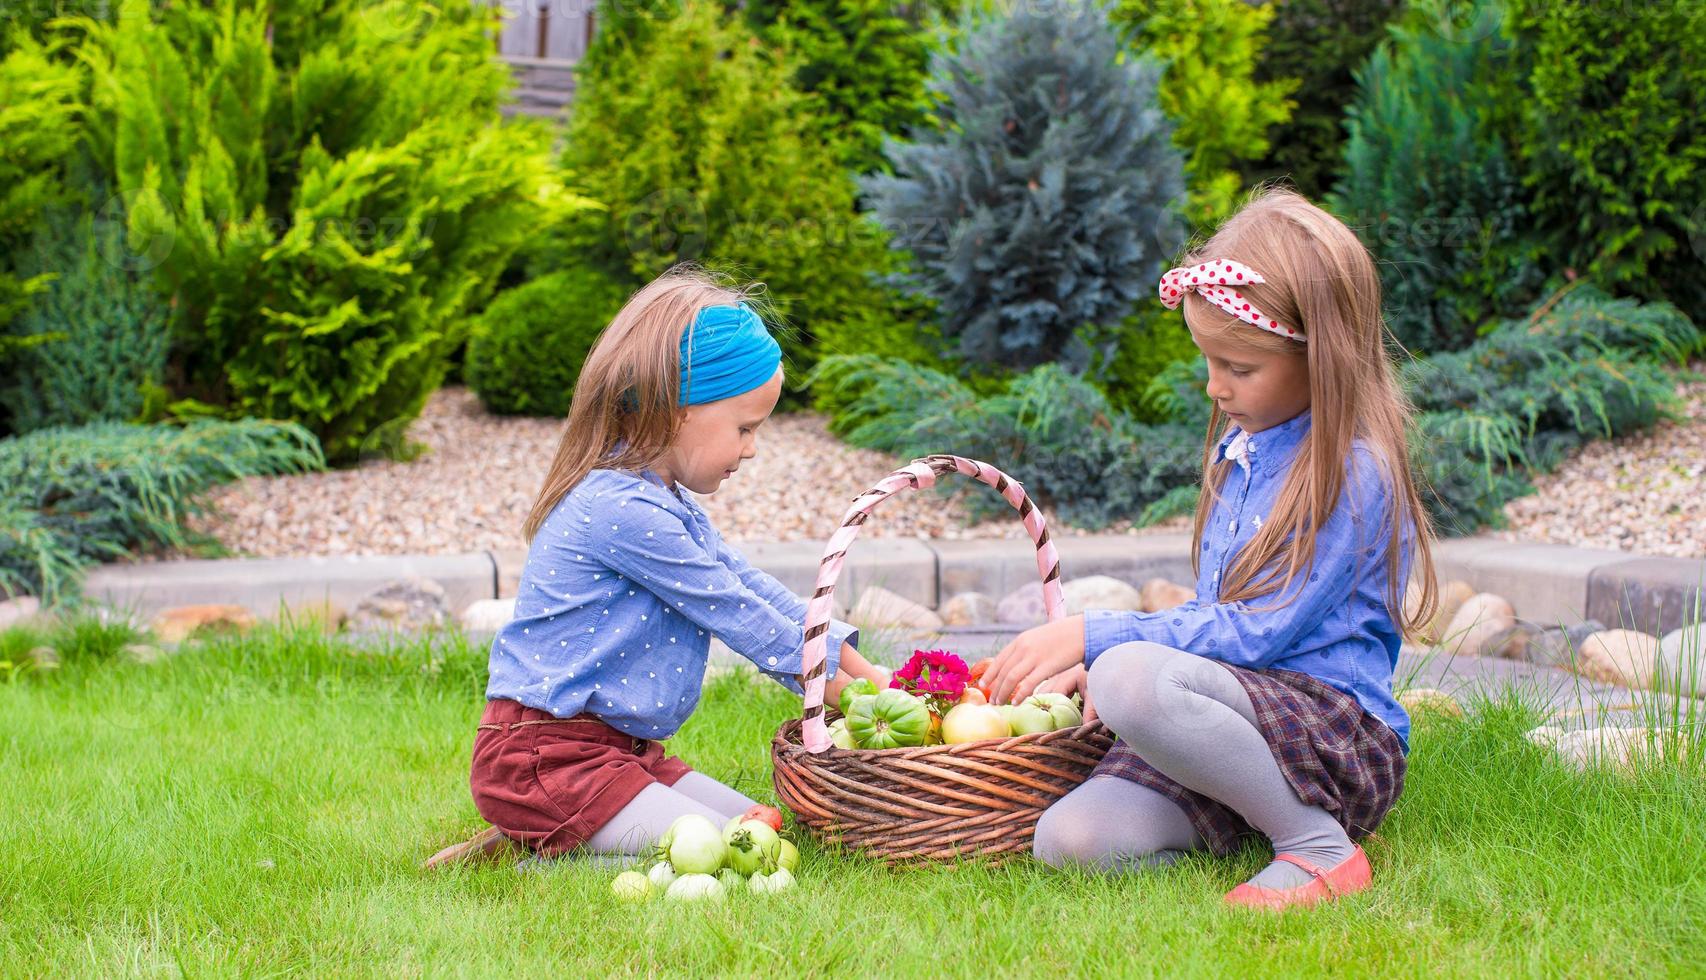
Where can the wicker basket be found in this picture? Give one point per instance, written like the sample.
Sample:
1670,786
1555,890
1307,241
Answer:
932,802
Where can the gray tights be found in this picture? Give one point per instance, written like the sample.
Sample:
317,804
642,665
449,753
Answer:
1189,718
637,825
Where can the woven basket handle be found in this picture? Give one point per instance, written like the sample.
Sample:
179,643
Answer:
919,473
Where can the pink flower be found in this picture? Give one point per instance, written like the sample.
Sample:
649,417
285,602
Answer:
937,676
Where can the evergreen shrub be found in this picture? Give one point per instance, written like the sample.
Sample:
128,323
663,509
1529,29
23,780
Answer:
527,348
81,495
1045,196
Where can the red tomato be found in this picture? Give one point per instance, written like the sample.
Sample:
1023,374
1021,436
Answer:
765,815
978,670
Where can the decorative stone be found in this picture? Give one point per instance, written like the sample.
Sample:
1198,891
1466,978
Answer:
487,615
329,615
878,607
1423,634
1451,597
1421,701
18,611
1684,654
1158,594
1479,627
1612,746
1626,657
411,605
1560,646
1100,592
142,653
182,622
1513,643
1023,606
968,609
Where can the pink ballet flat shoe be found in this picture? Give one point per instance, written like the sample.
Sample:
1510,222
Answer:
1350,876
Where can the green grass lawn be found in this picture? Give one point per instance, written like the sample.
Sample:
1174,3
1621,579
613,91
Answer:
262,806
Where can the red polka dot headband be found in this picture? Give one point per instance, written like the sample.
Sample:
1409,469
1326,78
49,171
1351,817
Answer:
1218,282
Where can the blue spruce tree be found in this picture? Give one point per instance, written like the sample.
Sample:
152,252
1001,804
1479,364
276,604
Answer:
1045,197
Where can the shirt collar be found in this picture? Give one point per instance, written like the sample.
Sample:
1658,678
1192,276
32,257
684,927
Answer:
1268,450
648,474
651,476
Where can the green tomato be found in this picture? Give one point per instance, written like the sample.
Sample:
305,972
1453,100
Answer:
753,847
661,876
730,878
839,736
789,856
696,888
697,847
1027,719
858,688
779,880
861,703
631,886
668,837
1062,711
891,719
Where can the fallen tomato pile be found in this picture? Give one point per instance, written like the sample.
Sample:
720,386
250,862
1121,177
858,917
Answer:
693,861
936,700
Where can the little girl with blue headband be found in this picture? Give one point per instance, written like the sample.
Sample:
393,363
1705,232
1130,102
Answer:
626,582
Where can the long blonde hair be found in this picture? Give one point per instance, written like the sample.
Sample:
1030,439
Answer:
630,384
1321,277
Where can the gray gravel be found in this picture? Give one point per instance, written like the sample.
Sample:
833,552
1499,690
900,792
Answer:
1645,493
472,488
471,491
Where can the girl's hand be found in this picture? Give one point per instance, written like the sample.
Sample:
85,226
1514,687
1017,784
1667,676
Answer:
853,667
1033,657
1072,680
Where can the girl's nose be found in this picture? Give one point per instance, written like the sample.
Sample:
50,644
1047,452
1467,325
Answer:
1214,389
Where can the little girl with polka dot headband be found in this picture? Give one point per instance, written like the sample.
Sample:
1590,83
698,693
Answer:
1264,705
627,581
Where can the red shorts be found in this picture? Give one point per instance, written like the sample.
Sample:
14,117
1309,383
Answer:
551,782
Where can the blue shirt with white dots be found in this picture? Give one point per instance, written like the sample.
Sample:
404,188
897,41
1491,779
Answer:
625,584
1331,622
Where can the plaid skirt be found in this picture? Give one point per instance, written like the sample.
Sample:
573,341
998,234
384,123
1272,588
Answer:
1334,754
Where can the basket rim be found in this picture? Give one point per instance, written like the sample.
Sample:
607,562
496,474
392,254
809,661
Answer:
781,741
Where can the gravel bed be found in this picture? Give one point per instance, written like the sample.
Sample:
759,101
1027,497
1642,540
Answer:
471,491
1645,493
473,486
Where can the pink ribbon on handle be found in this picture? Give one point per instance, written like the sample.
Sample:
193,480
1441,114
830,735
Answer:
915,475
1218,281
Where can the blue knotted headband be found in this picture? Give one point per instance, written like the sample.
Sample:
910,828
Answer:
726,351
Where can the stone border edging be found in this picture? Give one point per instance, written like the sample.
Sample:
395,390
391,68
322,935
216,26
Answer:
1553,585
1547,584
263,585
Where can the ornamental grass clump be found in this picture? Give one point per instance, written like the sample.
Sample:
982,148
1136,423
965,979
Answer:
77,496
